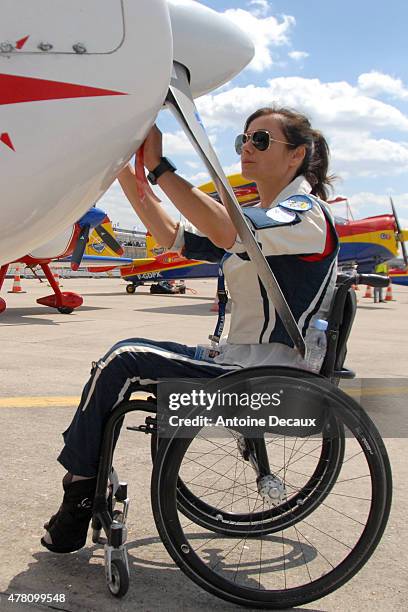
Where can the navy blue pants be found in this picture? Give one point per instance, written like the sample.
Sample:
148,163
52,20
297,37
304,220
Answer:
128,366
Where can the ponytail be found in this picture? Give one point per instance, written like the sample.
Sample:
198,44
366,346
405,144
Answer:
317,166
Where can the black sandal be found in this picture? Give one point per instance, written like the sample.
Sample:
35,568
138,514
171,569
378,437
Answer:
69,527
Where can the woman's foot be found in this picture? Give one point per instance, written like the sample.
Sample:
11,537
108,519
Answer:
68,528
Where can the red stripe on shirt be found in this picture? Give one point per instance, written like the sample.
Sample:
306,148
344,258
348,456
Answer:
328,249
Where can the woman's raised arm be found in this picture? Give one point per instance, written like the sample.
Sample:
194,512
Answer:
205,213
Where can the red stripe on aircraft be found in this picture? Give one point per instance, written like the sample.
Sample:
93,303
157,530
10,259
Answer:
379,223
7,140
16,89
20,43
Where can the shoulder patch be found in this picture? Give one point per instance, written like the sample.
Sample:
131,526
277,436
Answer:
262,218
281,215
299,203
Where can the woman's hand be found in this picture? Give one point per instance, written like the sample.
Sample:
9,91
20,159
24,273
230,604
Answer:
153,148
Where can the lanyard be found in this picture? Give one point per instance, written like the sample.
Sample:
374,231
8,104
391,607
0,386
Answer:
222,296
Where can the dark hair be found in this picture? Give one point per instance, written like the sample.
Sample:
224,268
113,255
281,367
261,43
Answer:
298,131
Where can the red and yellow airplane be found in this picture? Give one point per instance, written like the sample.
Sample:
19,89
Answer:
363,243
69,249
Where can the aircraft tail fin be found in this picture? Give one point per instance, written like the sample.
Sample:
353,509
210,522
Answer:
152,248
96,246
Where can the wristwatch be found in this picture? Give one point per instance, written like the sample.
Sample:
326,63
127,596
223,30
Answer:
165,166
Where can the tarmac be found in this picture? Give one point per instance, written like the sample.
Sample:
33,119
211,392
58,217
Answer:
46,359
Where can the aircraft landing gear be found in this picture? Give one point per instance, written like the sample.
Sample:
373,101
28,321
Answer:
65,302
131,288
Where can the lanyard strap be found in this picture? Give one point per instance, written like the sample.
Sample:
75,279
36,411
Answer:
222,295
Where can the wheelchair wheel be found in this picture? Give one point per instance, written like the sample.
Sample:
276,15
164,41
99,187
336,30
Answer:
318,462
228,512
301,560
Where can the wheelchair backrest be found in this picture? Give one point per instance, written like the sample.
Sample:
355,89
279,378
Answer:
340,322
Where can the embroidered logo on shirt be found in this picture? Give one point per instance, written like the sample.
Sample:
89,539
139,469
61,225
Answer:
300,203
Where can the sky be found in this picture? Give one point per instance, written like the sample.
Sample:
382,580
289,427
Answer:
344,64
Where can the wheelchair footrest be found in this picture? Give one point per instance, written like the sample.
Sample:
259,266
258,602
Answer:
344,373
149,427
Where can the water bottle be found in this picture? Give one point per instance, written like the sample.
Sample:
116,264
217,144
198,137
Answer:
317,349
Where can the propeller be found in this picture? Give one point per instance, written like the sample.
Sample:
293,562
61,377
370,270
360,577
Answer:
109,240
79,250
93,219
400,233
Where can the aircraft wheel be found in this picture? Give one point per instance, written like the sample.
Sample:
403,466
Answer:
65,310
130,288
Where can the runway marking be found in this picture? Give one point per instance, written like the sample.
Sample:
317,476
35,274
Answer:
47,402
375,391
72,401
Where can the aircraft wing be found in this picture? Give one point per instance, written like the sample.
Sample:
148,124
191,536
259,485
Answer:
96,261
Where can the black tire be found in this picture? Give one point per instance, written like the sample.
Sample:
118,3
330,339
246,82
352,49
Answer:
221,578
120,578
65,310
130,289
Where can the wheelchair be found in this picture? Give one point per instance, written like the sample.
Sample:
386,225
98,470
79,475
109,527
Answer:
272,521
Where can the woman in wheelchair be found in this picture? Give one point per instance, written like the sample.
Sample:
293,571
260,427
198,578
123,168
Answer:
288,160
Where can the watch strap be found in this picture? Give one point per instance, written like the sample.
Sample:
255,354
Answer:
165,165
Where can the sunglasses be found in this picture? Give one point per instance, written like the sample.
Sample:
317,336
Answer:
261,139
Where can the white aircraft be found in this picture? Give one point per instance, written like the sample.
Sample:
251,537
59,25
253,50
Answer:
81,83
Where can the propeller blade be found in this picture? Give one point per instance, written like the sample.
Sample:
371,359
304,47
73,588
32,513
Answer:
399,233
80,248
109,240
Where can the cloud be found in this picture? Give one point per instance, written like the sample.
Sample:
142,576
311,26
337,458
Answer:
198,179
298,55
357,153
348,118
177,142
265,32
367,204
376,83
260,8
328,104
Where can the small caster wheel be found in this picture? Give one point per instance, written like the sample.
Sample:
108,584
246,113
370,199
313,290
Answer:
130,288
65,310
119,584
